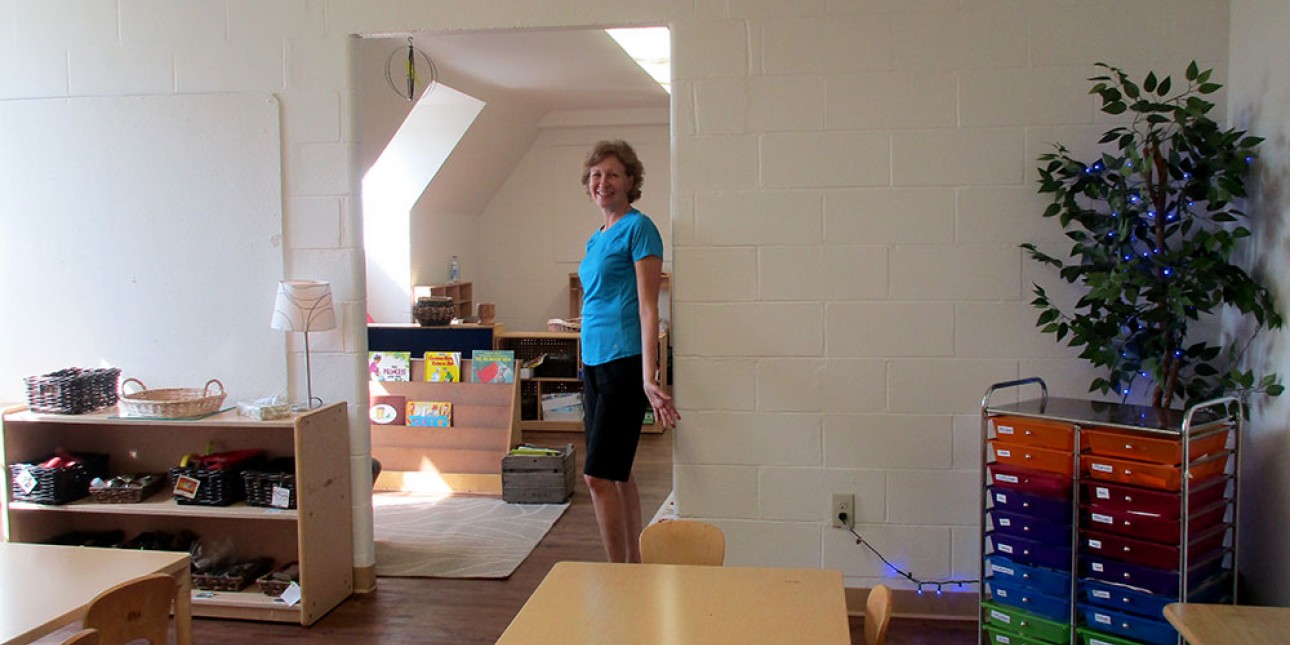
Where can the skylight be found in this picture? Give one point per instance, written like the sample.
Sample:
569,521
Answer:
651,48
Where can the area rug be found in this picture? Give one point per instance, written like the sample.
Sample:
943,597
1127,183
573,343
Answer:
456,537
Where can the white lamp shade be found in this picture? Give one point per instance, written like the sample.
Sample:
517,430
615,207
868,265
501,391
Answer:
303,305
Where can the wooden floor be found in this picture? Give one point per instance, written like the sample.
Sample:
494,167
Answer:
461,612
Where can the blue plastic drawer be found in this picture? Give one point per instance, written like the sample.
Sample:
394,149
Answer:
1158,581
1032,528
1138,628
1135,601
1050,607
1041,579
1014,501
1056,556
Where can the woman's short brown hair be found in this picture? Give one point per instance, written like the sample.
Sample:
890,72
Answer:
626,155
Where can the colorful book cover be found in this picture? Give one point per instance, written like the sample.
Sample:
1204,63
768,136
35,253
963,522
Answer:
388,409
433,414
389,366
443,367
492,366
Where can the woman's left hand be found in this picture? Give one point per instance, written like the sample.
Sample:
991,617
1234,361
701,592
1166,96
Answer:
664,412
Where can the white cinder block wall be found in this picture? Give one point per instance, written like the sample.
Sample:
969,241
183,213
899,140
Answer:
850,179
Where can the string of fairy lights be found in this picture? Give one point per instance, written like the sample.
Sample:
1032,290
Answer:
939,586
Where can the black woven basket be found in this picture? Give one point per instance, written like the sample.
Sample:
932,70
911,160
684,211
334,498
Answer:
260,482
56,485
218,486
73,390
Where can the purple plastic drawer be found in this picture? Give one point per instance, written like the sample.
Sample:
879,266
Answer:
1044,580
1050,485
1123,497
1056,556
1150,527
1015,501
1032,528
1151,554
1056,608
1160,581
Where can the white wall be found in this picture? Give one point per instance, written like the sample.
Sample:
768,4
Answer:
1260,102
849,183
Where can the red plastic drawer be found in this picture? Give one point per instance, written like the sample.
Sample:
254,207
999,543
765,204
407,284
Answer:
1128,445
1126,471
1035,482
1039,433
1122,497
1030,457
1155,528
1151,554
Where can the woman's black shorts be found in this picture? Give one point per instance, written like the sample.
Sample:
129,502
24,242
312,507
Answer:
614,403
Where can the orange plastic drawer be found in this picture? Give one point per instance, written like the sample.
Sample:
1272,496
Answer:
1127,471
1116,443
1053,461
1040,433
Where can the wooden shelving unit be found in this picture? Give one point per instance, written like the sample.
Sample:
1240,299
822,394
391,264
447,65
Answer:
316,534
462,294
466,457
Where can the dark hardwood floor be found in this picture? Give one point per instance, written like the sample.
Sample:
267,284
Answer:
461,612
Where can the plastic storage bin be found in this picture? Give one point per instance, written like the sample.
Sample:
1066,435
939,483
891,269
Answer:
1116,443
1040,433
1015,501
1054,582
1136,499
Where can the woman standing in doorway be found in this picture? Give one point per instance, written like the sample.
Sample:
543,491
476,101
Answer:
620,277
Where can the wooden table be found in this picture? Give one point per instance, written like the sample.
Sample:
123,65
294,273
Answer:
1204,624
595,602
47,587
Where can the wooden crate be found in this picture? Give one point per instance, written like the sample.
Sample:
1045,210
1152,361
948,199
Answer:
535,479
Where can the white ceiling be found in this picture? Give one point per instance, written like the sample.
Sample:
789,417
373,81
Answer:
581,69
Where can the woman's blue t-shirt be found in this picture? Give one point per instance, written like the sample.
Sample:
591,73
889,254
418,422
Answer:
611,323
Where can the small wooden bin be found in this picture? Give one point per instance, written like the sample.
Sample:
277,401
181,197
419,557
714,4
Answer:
534,479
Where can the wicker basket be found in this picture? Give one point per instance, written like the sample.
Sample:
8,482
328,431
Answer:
171,402
130,494
560,324
260,482
217,486
72,391
232,577
33,483
276,582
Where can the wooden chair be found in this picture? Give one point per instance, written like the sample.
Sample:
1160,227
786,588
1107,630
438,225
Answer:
83,637
877,614
138,608
683,542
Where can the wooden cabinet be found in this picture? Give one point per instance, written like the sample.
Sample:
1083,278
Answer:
462,294
531,344
317,533
464,458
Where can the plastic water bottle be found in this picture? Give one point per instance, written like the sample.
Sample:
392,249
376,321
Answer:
454,270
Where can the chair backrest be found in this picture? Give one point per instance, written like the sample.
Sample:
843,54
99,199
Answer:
138,608
683,542
83,637
877,614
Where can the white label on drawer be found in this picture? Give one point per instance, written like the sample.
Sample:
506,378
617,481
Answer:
1104,595
1097,566
1001,498
1096,544
1004,429
1002,593
186,486
1098,641
1003,521
1102,493
26,481
1103,519
1102,618
281,497
1001,569
1011,479
1001,617
1006,548
1002,452
1103,468
1000,638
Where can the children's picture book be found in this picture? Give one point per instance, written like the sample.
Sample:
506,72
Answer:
389,366
432,414
492,366
388,409
443,367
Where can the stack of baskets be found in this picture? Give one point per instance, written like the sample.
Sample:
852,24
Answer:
73,390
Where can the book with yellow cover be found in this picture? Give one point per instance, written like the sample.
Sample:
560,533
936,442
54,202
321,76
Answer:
443,367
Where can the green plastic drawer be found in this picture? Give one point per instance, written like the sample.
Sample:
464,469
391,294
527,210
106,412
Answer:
1090,637
1024,623
996,635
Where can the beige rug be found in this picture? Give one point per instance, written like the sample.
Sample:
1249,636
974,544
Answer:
456,537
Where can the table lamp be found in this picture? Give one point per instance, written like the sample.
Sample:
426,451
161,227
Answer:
304,306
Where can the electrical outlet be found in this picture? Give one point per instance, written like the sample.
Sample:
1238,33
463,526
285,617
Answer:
844,505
